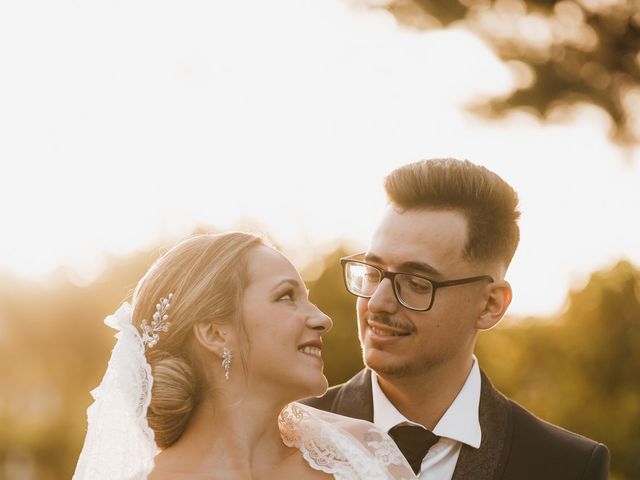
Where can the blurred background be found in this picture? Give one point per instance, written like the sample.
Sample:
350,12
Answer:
126,126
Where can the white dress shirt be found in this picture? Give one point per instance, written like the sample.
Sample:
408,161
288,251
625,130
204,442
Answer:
458,425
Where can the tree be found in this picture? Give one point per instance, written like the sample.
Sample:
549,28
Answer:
562,51
580,368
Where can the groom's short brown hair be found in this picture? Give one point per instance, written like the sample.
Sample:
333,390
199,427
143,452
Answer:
489,204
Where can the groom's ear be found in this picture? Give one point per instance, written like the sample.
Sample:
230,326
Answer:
497,298
212,337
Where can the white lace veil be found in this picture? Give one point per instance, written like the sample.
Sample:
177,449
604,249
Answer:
119,444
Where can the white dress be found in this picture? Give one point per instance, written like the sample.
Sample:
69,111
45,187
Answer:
120,445
345,447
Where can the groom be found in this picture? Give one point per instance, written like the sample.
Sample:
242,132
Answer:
432,278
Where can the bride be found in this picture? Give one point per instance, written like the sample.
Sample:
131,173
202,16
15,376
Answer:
219,342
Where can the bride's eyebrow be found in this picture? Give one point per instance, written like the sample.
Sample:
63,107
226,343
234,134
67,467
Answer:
293,283
290,281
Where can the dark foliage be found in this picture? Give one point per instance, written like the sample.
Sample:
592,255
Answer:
575,50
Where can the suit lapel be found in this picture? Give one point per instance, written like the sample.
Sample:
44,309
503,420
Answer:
488,461
354,398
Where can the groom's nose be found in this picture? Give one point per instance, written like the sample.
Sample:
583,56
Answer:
383,298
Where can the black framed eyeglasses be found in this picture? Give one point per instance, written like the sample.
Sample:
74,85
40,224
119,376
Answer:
414,292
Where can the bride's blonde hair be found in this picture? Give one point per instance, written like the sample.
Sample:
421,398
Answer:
207,275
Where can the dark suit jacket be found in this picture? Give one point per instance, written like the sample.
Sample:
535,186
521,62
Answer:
515,444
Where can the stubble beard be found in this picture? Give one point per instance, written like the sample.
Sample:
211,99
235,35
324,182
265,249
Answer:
396,368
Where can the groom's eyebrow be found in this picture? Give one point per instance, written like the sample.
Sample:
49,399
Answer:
420,267
370,257
411,266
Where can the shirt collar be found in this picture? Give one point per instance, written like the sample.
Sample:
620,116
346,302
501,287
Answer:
460,422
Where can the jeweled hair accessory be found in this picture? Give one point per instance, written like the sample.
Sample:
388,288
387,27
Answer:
160,323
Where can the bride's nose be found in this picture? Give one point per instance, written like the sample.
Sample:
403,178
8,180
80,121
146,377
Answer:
318,320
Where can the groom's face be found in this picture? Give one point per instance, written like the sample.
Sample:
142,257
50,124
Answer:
400,342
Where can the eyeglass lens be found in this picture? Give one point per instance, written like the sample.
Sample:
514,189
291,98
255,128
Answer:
412,291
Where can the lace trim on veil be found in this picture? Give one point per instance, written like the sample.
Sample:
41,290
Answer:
344,447
119,442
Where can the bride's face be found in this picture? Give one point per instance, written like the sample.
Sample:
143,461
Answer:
284,329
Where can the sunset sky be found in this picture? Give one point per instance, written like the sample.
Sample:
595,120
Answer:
125,122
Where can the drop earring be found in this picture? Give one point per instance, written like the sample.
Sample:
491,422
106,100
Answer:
226,362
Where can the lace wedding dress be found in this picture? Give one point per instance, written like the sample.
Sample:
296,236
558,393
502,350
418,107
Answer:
120,445
344,447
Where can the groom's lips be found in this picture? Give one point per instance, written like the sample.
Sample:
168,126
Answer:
381,333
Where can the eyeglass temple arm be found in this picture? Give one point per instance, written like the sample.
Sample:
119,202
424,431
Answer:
461,281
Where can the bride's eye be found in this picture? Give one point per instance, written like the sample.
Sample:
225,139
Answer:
287,296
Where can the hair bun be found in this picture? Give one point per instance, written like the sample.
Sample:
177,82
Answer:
173,397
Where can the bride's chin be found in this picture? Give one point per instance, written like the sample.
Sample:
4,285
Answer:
321,388
313,389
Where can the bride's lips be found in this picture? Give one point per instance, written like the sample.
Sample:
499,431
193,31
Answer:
312,348
381,333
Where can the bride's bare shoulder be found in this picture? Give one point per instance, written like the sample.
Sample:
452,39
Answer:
159,473
167,469
292,469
